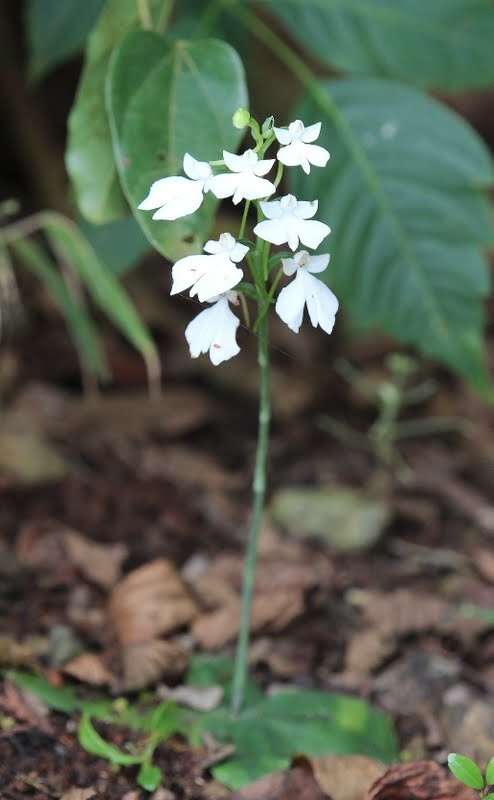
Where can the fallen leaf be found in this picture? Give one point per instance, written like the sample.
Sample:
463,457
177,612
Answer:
38,546
185,466
79,794
200,698
146,662
274,611
346,777
22,654
403,611
149,602
25,707
467,720
367,650
420,780
484,562
89,668
344,518
100,563
297,783
27,458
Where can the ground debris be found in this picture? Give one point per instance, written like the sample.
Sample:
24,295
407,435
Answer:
420,780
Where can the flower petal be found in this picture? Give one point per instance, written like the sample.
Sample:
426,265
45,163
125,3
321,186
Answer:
272,230
200,332
251,187
311,133
292,155
306,209
163,190
234,162
263,167
271,209
316,155
322,304
197,170
312,232
317,263
289,265
290,304
187,271
221,276
238,252
283,135
224,184
181,205
224,345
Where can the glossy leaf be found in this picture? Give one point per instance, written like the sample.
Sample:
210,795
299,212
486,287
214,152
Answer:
149,777
270,732
489,773
79,322
165,100
89,155
466,771
57,30
448,44
405,195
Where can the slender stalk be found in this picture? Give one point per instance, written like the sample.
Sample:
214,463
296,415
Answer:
145,14
244,220
259,492
165,15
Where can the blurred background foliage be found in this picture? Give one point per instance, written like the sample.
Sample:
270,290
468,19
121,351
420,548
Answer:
396,83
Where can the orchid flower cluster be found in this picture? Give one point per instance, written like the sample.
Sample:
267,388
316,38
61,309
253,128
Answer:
215,276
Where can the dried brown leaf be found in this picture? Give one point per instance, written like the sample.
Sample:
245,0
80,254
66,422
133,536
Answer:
367,650
147,662
272,611
297,783
79,794
25,707
420,780
99,563
403,611
483,559
186,466
89,668
346,777
150,601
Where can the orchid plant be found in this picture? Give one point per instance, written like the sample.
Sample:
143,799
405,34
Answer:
216,277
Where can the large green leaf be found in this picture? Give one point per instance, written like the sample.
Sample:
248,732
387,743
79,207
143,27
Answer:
119,245
57,30
165,99
89,155
268,734
404,193
447,44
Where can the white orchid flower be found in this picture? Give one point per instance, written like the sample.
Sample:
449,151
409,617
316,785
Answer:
215,330
322,304
288,221
210,275
176,196
297,149
245,181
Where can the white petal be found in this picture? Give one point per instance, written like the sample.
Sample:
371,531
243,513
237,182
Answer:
222,276
234,162
293,236
272,209
224,185
316,155
283,135
312,232
311,133
306,209
181,205
187,271
238,252
224,345
317,263
290,305
213,247
272,230
263,167
163,190
197,170
292,155
252,188
290,266
322,304
200,332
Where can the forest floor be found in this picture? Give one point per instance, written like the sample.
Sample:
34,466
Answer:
367,591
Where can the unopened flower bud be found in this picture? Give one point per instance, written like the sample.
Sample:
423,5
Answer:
241,118
267,126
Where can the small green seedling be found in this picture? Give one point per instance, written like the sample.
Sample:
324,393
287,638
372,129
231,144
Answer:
468,772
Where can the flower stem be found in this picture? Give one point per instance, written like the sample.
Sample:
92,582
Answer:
145,14
165,15
244,220
259,492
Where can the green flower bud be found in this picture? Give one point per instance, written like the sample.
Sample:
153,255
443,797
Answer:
241,118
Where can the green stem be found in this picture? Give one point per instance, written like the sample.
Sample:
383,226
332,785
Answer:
145,14
165,15
259,492
244,220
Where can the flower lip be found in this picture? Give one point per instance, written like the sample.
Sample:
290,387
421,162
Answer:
214,330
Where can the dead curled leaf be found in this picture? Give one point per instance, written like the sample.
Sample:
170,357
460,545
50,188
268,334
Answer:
149,602
25,707
186,466
420,780
100,563
346,777
89,668
200,698
297,783
146,662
